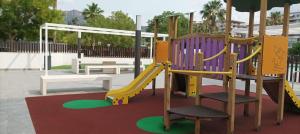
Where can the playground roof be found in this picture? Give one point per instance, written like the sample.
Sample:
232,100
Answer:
248,5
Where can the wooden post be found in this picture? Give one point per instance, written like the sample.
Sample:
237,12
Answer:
187,77
154,51
231,95
173,21
281,93
191,23
175,27
259,76
249,67
198,87
286,15
167,97
227,45
199,78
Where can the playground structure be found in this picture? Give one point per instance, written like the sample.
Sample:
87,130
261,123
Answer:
223,57
195,56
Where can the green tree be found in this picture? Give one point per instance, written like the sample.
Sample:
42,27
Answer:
295,50
118,20
21,19
183,23
275,19
212,13
92,11
121,20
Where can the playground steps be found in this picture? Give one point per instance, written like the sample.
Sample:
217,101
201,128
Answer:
223,97
201,112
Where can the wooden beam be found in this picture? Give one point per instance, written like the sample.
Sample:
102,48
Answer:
249,63
191,23
281,93
227,45
175,27
155,30
167,97
263,18
171,35
251,23
231,95
259,81
286,15
199,67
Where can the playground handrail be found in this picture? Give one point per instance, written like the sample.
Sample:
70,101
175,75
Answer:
215,56
250,56
190,72
246,41
202,35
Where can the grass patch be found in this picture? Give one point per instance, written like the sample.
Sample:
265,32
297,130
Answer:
62,67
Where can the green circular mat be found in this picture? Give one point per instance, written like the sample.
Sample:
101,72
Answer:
85,104
154,124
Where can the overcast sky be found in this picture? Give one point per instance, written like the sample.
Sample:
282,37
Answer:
149,8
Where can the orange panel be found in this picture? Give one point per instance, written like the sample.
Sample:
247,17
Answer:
275,52
161,51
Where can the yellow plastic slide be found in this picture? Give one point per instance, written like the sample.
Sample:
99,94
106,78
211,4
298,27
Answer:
292,101
121,96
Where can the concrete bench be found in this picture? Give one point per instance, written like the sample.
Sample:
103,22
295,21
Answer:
116,68
107,80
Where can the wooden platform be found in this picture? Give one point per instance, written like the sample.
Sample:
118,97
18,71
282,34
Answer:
253,77
223,97
198,111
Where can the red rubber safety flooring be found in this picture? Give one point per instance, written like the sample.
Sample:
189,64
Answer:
49,116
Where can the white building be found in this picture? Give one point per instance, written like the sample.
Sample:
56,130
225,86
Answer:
295,17
294,32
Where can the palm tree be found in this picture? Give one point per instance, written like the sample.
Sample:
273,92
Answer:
212,13
92,11
275,18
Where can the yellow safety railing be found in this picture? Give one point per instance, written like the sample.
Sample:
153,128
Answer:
250,56
215,56
190,72
239,40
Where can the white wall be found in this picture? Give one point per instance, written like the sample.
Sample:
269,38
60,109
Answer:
11,60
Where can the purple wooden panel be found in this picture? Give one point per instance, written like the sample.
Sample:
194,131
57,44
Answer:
197,46
241,56
191,54
221,59
203,47
182,54
178,55
214,51
208,53
174,54
187,46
